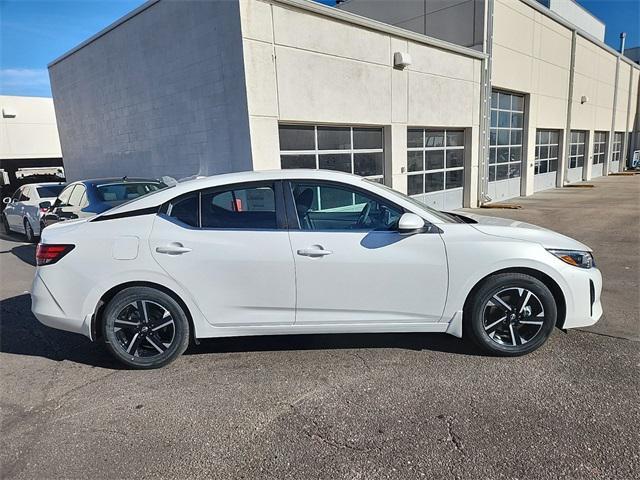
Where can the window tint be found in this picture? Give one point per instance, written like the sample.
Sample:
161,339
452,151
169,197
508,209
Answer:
76,195
50,191
249,208
185,210
339,207
117,193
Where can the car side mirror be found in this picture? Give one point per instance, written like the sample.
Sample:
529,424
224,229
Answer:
410,223
45,205
6,200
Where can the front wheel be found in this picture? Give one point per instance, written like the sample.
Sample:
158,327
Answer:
511,314
5,224
145,328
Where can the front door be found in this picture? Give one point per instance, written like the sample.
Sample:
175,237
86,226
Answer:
353,267
12,211
229,249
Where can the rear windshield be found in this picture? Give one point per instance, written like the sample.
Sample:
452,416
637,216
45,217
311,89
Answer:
117,193
50,191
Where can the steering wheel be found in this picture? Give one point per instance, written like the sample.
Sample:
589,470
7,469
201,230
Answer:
364,215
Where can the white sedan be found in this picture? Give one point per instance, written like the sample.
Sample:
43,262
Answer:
25,207
303,251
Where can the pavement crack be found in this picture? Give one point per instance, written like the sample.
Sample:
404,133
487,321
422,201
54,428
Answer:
452,436
361,358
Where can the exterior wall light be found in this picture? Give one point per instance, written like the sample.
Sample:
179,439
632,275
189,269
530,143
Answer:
584,99
8,112
401,60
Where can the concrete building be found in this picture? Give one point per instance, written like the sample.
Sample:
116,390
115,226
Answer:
28,136
181,88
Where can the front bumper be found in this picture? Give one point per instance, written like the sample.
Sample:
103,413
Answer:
582,296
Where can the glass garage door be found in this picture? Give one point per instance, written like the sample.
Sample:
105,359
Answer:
357,150
505,145
599,153
546,159
614,164
577,149
435,167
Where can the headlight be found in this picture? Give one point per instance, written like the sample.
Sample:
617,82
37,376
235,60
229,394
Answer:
575,258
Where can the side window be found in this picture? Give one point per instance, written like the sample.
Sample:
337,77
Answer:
251,208
25,195
63,198
185,210
76,195
340,207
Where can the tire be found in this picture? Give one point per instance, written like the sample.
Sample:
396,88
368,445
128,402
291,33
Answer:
140,344
5,224
500,322
28,231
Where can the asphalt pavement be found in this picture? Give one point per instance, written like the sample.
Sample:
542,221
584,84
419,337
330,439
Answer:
340,406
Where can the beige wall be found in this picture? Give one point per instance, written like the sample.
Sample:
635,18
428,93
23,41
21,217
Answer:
32,133
305,67
532,55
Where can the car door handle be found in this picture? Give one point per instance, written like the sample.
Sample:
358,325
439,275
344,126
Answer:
314,251
173,249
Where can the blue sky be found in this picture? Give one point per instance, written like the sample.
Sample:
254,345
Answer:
35,32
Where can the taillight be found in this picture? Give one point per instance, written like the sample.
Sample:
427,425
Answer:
43,210
48,254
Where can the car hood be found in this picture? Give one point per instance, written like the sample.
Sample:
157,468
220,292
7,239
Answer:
504,227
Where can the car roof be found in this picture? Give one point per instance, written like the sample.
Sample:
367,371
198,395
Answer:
162,196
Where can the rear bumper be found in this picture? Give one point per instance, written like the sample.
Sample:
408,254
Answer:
49,312
582,297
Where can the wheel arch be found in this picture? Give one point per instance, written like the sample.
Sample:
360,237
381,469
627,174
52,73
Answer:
97,317
549,282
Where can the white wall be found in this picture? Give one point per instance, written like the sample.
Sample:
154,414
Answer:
32,133
312,68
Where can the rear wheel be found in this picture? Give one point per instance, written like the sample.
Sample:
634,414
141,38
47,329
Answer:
511,314
145,328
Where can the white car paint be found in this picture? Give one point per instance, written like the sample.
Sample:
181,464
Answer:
17,211
242,282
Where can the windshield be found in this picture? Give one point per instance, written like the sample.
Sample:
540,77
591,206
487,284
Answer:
117,193
445,217
49,191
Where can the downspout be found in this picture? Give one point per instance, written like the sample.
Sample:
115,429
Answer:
567,132
485,108
612,133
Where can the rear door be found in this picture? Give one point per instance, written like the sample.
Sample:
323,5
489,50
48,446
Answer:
229,249
353,267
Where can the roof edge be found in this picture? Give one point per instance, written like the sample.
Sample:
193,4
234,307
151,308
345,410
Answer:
371,24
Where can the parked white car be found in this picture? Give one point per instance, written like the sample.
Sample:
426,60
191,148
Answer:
303,251
23,210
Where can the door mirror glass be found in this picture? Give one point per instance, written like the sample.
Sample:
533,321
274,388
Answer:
6,200
410,223
45,205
